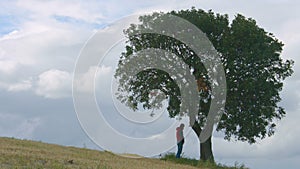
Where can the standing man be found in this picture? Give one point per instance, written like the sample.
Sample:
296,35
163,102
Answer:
180,139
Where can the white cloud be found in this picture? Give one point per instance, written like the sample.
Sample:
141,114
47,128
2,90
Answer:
17,126
88,12
7,67
290,31
54,84
22,86
38,41
85,81
27,127
24,53
37,45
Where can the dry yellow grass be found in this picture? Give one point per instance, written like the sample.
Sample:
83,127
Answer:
16,153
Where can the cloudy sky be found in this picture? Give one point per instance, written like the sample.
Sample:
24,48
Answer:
39,45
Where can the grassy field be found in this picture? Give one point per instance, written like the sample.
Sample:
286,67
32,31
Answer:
16,153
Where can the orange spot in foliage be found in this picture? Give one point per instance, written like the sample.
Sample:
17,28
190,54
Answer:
202,86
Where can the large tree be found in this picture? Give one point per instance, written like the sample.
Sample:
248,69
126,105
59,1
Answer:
252,64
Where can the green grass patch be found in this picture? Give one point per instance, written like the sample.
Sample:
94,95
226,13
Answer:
199,164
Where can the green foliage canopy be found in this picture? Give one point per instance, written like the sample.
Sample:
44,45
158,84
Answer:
251,60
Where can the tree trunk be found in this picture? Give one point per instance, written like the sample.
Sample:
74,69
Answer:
206,153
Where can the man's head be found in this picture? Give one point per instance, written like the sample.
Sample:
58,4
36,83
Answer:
181,126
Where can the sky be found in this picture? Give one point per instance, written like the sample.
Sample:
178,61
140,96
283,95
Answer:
40,43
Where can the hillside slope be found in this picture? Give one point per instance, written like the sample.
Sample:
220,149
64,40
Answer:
16,153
